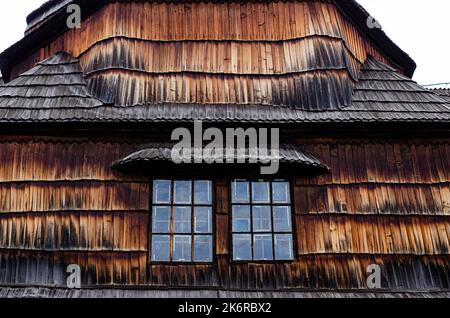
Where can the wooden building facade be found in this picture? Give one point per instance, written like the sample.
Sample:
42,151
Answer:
86,112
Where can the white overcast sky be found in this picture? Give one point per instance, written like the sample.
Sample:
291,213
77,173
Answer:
419,27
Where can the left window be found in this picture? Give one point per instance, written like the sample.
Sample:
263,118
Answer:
182,221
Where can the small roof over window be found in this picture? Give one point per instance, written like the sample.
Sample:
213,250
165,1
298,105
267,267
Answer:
152,158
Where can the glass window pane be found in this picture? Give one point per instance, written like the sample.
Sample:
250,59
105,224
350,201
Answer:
283,247
280,192
161,191
182,220
282,220
241,218
203,248
241,192
242,247
203,220
261,192
182,248
182,192
263,247
161,248
262,219
161,219
203,192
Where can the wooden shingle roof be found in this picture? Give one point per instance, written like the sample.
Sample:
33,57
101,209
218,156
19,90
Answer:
160,152
308,77
380,89
56,91
443,92
55,85
261,53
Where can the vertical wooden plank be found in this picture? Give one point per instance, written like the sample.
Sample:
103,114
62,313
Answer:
222,234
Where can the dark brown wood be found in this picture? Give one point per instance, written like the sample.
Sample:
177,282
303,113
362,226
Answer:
256,56
370,204
136,69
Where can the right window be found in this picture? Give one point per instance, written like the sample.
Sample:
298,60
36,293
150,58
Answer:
262,221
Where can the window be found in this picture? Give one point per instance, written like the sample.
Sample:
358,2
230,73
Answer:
182,222
262,221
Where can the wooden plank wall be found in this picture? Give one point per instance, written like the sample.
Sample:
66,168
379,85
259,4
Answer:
386,202
61,204
281,52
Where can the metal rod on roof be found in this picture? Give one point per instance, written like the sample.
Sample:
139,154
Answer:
437,84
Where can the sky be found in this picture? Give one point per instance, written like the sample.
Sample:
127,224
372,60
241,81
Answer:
419,27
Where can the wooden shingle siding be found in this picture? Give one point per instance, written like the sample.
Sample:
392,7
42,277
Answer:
311,272
385,202
62,204
378,178
381,161
224,57
77,195
286,90
276,53
49,268
399,235
136,68
40,160
91,231
374,199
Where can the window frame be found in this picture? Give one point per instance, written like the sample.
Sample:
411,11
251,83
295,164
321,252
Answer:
192,234
231,233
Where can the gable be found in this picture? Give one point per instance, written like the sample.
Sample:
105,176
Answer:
300,54
48,22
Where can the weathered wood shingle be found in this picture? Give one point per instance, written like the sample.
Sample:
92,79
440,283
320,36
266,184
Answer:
443,92
55,84
56,90
288,154
35,292
381,89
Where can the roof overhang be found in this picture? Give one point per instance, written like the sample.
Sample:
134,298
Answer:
153,159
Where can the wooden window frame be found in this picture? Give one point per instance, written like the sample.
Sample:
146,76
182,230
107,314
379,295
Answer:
192,234
252,233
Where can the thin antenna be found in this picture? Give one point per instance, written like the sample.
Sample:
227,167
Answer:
438,85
